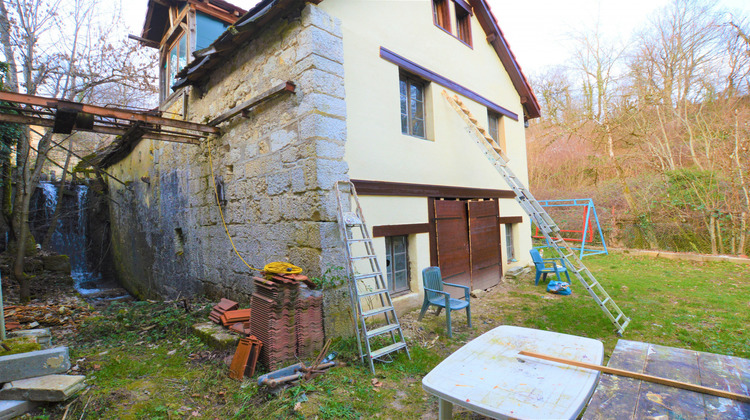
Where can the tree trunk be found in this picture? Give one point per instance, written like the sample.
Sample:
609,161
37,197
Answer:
712,232
59,206
719,237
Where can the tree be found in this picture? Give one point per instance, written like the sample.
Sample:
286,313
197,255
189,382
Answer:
65,50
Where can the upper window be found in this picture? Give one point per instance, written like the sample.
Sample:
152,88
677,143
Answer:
496,129
412,106
397,263
463,24
177,58
441,14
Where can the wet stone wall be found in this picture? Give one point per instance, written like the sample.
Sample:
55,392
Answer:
278,166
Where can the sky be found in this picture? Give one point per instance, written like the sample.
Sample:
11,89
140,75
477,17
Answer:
537,30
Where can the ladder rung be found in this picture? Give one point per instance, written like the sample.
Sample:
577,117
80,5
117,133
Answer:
619,316
383,330
377,311
604,302
385,350
366,276
362,257
358,240
372,293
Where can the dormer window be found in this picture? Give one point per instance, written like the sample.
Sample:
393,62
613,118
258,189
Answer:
180,28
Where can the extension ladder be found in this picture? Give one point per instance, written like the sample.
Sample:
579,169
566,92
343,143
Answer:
549,228
372,307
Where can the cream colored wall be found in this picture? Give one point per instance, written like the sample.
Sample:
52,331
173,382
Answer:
377,150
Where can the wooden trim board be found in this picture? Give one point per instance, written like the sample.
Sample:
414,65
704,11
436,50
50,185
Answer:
398,230
400,189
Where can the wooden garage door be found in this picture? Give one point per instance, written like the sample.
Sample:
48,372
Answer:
484,244
451,225
468,243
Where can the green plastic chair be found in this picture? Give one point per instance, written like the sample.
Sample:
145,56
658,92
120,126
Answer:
541,266
435,296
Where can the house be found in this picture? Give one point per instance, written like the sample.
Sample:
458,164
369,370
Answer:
307,94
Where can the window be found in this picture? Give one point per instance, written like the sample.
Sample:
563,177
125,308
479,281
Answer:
396,262
463,24
412,106
176,58
441,14
509,248
496,128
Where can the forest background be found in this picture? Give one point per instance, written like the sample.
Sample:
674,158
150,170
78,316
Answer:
656,130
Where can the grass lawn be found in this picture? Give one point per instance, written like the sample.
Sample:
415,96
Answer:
142,362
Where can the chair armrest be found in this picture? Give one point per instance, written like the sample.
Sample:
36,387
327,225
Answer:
436,291
456,285
467,290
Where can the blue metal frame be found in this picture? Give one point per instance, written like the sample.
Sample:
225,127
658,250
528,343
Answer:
590,208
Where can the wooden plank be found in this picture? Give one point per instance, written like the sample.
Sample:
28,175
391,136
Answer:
666,399
641,376
730,374
510,219
253,102
122,114
398,230
433,231
401,189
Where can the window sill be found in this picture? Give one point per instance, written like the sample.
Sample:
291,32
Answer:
417,137
401,293
454,36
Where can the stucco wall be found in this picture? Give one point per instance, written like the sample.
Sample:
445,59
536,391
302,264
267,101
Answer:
377,150
279,165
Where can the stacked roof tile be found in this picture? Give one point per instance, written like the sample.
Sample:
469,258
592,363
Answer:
220,308
273,319
309,322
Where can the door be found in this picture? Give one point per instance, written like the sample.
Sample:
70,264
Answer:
451,228
468,243
484,244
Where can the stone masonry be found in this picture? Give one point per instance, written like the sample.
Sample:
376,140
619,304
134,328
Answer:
278,165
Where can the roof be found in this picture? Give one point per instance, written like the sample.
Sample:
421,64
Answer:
157,14
267,10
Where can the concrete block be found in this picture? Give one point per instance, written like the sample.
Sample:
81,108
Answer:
516,272
215,336
42,336
34,363
12,409
52,388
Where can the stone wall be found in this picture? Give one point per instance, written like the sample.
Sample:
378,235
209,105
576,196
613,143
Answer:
279,165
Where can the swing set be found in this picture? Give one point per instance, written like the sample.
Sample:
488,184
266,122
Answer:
586,234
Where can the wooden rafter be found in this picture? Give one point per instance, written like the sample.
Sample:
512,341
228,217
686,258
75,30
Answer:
102,112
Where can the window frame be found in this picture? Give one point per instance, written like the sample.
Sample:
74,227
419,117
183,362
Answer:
391,264
463,24
412,81
510,249
441,14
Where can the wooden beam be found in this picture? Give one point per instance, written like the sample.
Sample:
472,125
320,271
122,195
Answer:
174,24
642,377
510,219
398,230
144,41
100,111
43,122
253,102
217,13
400,189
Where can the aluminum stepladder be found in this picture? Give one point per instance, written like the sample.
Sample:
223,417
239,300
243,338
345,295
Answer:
546,225
368,290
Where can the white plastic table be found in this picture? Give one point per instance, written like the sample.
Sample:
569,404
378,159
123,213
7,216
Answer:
488,376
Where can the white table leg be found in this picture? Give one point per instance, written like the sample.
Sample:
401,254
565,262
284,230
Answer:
446,410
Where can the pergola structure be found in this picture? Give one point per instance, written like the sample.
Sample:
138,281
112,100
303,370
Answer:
65,116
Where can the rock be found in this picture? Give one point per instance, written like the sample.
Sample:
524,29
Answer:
478,293
215,336
44,388
41,335
32,265
516,272
12,409
56,263
34,363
